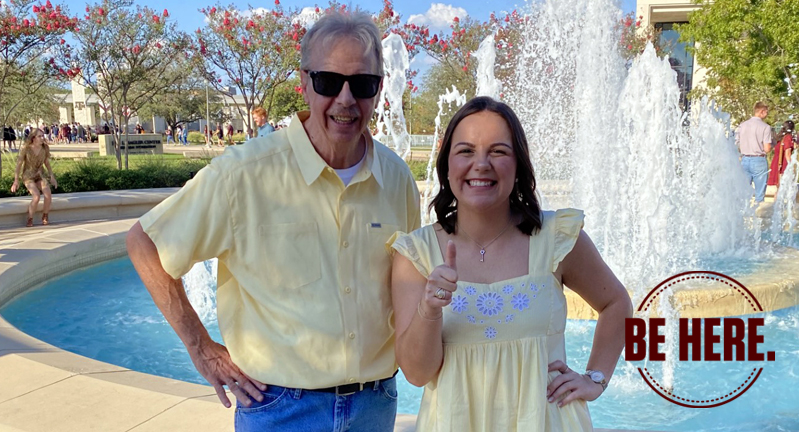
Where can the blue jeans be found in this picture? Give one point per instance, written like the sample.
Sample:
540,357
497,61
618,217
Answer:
756,169
373,409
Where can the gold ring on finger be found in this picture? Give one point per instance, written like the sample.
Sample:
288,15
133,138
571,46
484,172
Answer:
440,293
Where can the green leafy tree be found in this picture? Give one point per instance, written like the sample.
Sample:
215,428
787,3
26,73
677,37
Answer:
124,56
287,100
252,51
30,95
751,51
184,101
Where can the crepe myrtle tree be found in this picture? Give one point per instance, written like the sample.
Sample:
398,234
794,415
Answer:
123,55
253,51
28,29
453,50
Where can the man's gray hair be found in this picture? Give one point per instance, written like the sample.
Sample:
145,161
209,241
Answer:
357,25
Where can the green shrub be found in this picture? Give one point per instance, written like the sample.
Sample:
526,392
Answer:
86,175
239,137
196,137
100,173
418,169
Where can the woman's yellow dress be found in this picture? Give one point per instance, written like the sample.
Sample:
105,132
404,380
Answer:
499,339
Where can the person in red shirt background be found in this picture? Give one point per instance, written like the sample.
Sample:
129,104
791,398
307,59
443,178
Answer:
782,153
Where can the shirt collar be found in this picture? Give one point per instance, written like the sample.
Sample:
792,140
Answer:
312,165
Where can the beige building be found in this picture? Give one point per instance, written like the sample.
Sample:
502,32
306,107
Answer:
663,15
87,110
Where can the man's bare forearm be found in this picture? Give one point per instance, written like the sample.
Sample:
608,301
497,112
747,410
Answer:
168,293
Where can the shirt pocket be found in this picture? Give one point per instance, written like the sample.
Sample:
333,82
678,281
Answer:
289,255
377,235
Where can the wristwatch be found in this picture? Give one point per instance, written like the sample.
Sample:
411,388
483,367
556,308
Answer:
597,377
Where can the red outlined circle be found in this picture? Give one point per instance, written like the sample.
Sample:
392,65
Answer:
735,286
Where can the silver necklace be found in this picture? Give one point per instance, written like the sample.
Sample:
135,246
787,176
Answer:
483,248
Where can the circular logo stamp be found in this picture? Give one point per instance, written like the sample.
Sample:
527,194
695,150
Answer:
723,352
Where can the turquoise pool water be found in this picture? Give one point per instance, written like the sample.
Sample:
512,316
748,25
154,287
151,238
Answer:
104,312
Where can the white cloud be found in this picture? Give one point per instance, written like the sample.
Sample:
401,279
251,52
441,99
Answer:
244,14
307,17
259,11
439,16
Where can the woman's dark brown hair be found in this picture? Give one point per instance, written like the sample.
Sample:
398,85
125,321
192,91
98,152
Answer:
523,200
787,128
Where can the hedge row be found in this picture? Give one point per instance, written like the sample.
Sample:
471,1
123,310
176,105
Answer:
98,174
195,137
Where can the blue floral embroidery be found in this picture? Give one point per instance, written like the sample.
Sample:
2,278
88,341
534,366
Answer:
533,287
491,332
508,289
470,290
508,318
490,304
520,302
459,304
471,319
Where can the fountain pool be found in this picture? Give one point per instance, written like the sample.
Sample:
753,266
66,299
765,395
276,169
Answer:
104,312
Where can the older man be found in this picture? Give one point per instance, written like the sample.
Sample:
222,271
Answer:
754,141
299,223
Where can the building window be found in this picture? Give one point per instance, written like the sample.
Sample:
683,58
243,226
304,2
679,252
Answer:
681,60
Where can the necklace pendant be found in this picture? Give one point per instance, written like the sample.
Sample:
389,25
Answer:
482,255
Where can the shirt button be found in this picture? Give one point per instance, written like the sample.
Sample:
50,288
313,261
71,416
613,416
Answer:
352,380
345,243
352,335
347,290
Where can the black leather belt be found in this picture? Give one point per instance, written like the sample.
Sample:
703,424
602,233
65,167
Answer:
754,155
348,389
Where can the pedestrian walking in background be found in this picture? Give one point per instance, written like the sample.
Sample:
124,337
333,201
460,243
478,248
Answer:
782,153
754,141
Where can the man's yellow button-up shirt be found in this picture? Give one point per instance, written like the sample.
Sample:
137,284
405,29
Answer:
303,291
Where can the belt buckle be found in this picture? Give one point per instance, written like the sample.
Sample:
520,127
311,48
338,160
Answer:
359,388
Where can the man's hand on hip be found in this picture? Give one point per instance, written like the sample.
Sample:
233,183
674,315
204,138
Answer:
213,362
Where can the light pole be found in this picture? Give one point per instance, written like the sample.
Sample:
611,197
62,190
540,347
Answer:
207,117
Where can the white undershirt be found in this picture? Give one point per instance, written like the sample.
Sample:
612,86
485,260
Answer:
346,174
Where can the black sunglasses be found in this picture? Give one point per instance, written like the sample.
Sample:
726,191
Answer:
362,86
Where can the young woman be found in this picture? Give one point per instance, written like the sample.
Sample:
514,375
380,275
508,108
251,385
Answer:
33,156
782,153
478,297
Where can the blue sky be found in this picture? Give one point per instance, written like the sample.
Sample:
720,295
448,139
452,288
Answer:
189,17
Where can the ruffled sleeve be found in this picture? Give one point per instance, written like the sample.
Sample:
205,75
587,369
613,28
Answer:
568,223
406,245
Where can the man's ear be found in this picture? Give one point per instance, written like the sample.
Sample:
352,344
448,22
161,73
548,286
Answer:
305,79
379,91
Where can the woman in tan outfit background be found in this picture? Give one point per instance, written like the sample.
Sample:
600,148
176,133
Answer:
33,156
